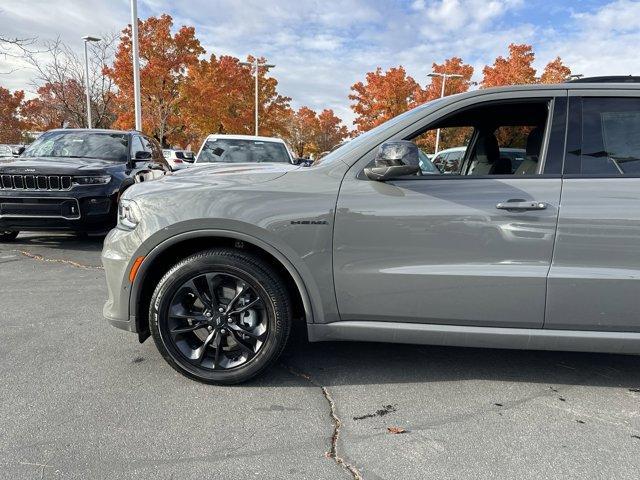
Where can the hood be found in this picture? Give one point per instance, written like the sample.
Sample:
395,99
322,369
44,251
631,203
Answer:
55,165
217,175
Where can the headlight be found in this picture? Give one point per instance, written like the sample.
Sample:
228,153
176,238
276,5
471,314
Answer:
128,214
92,180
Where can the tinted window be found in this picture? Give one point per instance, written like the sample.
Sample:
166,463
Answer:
136,145
74,144
146,144
226,150
610,136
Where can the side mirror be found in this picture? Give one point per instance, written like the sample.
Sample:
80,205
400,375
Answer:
142,155
16,152
304,162
394,159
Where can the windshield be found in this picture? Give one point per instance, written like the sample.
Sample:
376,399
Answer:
74,144
226,150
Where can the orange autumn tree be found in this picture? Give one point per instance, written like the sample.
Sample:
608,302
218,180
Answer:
555,72
165,60
218,97
330,131
11,125
302,125
516,69
382,97
453,65
449,137
311,133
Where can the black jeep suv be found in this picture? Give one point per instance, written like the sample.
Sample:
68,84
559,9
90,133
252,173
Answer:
71,179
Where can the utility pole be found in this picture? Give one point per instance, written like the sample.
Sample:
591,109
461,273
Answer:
256,71
444,79
88,39
136,64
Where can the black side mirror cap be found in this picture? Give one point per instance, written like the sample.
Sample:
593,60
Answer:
141,155
381,174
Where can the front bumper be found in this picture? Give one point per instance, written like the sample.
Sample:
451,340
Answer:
81,210
117,254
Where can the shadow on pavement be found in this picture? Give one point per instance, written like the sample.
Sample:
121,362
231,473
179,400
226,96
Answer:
349,363
72,242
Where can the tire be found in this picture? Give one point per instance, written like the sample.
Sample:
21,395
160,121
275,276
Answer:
190,299
8,236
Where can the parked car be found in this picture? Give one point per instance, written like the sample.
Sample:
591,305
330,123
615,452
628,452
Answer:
71,179
359,247
245,149
449,160
178,159
6,151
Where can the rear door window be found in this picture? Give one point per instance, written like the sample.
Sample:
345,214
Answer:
609,137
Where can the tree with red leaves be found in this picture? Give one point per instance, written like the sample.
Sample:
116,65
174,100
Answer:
382,97
166,60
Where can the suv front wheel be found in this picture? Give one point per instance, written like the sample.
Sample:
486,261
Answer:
220,316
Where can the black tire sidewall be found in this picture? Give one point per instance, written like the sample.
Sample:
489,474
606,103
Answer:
243,266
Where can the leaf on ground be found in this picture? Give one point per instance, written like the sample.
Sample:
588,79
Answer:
396,430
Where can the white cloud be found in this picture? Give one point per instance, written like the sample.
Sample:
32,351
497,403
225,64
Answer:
322,47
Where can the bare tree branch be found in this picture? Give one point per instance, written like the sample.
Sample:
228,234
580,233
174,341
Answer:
60,77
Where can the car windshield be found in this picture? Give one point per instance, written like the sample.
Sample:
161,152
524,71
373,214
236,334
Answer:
226,150
74,144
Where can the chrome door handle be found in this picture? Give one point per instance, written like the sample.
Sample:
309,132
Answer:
521,206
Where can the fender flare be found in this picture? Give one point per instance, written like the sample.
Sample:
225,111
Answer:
311,310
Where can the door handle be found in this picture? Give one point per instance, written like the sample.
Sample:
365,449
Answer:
521,206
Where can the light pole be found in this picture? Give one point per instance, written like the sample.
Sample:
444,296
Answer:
256,66
444,79
88,39
136,64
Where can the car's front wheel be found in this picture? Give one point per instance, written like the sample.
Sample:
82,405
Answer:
220,316
8,235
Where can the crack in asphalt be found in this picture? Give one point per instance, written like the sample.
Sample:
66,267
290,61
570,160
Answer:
40,258
337,423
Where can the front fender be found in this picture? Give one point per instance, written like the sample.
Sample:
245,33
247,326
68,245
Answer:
157,243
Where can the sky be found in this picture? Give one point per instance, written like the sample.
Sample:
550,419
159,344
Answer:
322,47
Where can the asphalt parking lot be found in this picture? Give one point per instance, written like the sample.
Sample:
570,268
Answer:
81,399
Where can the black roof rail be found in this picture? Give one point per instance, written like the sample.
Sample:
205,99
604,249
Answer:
607,79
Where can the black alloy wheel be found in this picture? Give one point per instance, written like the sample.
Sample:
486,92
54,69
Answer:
220,316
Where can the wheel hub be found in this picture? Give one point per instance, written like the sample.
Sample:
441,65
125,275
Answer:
226,321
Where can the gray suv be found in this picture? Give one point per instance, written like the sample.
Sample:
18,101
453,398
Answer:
218,262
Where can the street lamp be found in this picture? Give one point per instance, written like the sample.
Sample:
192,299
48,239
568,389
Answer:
444,79
136,64
88,39
256,66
